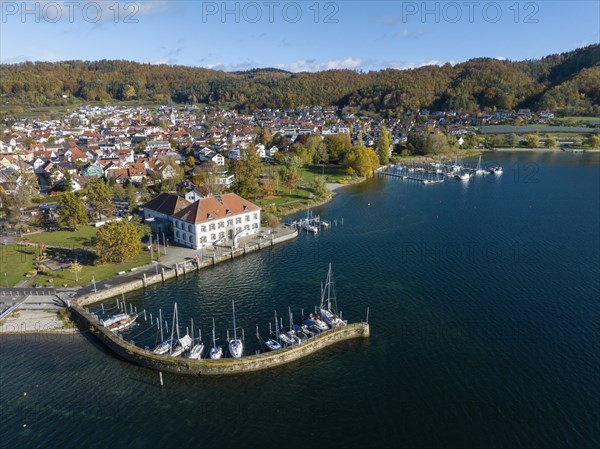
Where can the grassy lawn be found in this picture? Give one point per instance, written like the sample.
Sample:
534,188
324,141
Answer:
15,261
332,173
62,277
82,238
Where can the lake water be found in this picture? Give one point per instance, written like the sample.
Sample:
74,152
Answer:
485,325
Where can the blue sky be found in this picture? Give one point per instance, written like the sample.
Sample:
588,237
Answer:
296,36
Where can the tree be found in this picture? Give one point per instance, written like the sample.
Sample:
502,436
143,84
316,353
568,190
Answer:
360,160
436,143
320,189
246,170
71,212
594,141
533,140
75,268
131,196
337,144
99,196
384,142
551,142
117,241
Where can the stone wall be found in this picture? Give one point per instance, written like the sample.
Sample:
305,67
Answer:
208,367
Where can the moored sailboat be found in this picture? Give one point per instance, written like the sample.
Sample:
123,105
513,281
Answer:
236,346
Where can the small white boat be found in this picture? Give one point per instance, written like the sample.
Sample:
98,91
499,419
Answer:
196,351
272,343
182,345
120,321
236,347
479,170
216,352
164,346
328,306
462,176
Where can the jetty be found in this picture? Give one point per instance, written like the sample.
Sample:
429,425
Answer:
208,367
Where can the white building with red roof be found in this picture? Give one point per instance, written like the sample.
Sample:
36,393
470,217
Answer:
214,220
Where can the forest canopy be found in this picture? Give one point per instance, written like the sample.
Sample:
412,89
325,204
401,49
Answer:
568,81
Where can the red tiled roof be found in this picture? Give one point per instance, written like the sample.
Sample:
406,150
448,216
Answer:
219,206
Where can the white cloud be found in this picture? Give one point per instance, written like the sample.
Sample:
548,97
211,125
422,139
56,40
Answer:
312,65
500,58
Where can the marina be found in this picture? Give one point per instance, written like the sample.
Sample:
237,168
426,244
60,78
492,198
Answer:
460,306
325,318
436,173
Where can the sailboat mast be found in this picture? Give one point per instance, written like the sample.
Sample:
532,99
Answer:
173,328
234,332
214,341
192,328
160,325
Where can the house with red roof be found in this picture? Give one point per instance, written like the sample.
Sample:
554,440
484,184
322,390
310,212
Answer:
213,220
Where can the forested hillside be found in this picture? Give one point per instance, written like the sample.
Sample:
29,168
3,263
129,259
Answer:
569,82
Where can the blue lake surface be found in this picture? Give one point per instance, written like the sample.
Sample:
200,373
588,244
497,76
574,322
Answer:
484,305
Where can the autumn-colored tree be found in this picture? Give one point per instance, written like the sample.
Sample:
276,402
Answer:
246,170
75,268
320,189
533,140
383,144
117,241
72,212
99,197
361,160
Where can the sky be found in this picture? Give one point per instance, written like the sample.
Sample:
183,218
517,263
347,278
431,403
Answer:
294,35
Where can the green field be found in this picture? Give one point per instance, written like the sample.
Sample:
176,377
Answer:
15,261
18,260
82,238
505,129
99,272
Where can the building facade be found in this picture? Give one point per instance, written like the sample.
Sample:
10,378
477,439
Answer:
214,220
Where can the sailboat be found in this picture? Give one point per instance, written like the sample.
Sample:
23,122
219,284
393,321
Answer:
235,346
272,343
165,345
120,321
196,351
479,170
216,352
306,223
184,343
328,306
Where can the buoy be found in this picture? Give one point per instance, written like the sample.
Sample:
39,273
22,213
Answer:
25,394
24,425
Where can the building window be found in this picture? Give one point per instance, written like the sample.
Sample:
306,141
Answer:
202,239
183,236
189,228
177,233
247,227
238,220
238,229
255,216
254,225
203,228
247,217
191,239
230,222
221,224
211,227
221,235
213,237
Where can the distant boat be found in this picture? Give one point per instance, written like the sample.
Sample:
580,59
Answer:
306,223
183,345
272,343
196,351
328,306
164,346
462,176
479,170
119,321
216,352
495,170
236,346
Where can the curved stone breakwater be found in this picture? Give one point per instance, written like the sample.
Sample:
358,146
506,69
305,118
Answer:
208,367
